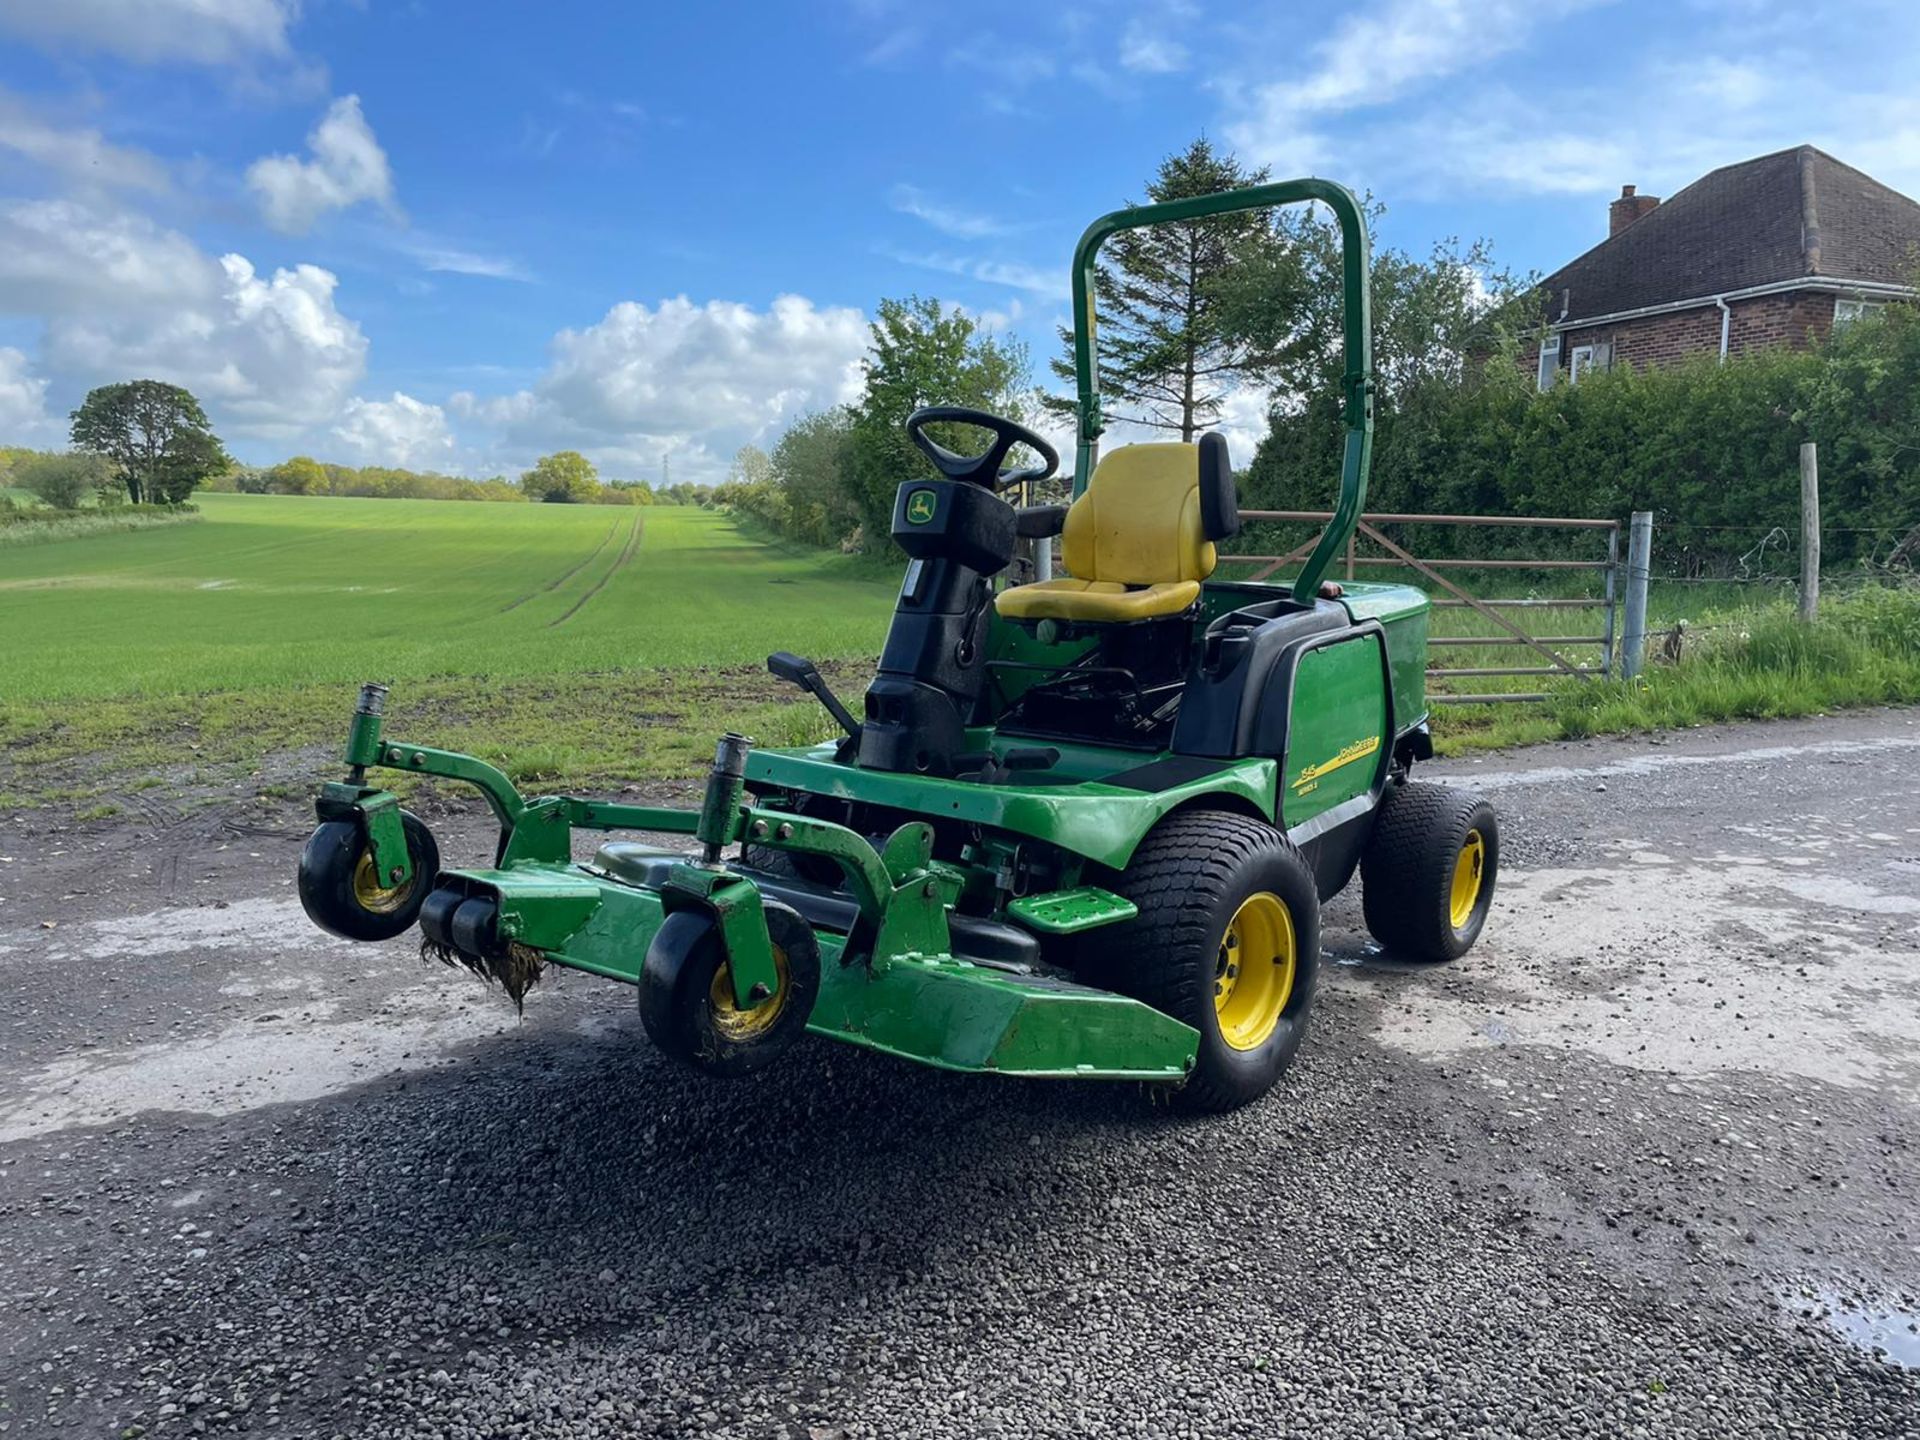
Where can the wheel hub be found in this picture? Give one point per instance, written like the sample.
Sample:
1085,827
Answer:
736,1024
1253,976
372,895
1469,869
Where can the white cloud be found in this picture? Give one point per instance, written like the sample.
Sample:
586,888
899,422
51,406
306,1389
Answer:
1376,57
122,298
272,356
348,167
1012,273
62,256
206,32
452,260
947,219
84,157
693,381
23,403
402,432
1149,52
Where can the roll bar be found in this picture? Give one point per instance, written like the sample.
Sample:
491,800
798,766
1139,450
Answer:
1357,324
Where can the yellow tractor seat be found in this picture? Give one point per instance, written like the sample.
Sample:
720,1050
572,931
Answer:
1139,540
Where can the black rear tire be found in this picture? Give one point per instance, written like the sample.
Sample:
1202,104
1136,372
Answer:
342,895
1430,847
1199,878
686,993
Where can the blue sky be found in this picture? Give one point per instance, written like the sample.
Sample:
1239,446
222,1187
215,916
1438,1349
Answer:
457,235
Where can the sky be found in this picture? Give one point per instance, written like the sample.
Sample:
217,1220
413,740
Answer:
458,234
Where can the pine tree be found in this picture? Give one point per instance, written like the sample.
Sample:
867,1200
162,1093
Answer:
1165,359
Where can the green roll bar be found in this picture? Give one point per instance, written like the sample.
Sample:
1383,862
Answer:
1358,326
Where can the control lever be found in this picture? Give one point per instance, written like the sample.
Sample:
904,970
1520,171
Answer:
805,674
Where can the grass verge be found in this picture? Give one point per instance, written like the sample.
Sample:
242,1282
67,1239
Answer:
34,528
1746,664
592,731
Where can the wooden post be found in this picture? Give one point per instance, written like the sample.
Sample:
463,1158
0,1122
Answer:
1809,530
1633,643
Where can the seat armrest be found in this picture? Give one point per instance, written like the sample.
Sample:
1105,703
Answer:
1039,522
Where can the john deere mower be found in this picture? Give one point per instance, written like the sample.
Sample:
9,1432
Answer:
1082,827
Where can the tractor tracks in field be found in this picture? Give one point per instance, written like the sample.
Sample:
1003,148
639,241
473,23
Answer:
553,585
620,563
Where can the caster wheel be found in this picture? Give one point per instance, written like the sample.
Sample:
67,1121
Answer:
342,893
686,993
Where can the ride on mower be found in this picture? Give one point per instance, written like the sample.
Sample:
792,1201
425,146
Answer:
1083,827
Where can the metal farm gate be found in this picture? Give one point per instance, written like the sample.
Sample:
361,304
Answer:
1508,623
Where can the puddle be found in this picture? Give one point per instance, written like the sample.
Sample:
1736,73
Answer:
1882,1330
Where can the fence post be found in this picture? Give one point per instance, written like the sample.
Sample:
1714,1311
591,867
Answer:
1809,530
1633,643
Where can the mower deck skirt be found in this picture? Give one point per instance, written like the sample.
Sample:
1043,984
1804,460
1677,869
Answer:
940,1010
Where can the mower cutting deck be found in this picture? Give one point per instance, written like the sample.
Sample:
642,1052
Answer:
1082,827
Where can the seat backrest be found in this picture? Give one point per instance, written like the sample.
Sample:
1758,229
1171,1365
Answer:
1151,513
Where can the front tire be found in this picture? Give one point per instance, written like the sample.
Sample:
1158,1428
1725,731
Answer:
1428,872
341,892
686,993
1228,941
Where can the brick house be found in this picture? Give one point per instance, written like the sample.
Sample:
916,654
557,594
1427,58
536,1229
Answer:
1771,251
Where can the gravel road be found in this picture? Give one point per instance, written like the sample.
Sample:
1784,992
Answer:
1643,1164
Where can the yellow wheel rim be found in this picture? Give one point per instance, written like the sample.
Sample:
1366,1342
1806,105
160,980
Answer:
1469,872
736,1024
1253,978
373,897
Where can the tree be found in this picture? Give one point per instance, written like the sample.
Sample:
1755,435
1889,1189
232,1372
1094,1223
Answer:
1164,352
566,477
922,354
1436,322
1432,318
155,435
63,480
302,475
812,465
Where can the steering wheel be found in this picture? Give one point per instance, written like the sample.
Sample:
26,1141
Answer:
984,468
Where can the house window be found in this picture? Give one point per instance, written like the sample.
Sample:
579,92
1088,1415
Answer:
1549,361
1845,312
1587,359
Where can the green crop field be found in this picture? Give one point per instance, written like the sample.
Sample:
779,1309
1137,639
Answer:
272,590
567,642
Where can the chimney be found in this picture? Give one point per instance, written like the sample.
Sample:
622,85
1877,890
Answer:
1627,209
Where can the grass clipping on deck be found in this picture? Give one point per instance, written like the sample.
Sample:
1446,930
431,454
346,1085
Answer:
516,969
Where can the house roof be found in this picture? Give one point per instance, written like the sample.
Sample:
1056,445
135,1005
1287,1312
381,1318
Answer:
1796,214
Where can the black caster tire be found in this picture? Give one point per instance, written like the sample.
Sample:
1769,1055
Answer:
1227,940
1428,872
686,993
343,896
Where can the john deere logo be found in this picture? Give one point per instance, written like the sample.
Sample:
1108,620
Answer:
920,507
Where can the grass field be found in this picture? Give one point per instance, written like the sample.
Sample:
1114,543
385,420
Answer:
274,591
563,641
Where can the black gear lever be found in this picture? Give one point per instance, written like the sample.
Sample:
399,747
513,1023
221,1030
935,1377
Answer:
804,673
